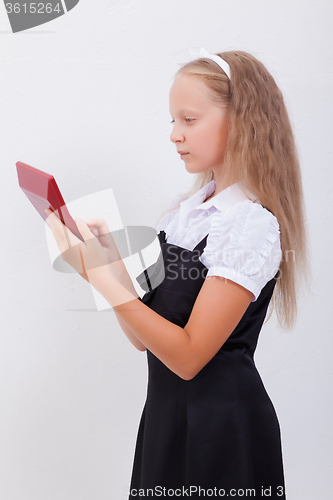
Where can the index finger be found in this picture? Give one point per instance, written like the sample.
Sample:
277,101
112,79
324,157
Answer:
59,230
51,215
100,224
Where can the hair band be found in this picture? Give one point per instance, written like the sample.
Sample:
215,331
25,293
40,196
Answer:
204,53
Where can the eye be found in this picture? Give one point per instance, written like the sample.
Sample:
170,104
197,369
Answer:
186,119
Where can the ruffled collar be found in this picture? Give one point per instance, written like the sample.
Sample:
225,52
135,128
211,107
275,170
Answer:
222,201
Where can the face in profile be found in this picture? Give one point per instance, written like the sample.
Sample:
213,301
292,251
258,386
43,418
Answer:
199,125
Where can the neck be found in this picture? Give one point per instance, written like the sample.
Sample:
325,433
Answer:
221,184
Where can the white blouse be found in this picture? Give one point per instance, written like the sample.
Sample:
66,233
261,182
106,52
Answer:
243,243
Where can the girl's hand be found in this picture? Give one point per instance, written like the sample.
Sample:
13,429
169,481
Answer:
99,228
88,257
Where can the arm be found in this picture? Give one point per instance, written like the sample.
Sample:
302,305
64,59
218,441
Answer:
99,228
129,334
218,309
119,271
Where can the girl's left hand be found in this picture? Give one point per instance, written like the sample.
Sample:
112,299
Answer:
88,257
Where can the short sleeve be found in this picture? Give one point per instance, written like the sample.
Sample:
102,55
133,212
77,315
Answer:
243,245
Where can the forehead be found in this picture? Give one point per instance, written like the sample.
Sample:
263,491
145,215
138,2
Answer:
189,91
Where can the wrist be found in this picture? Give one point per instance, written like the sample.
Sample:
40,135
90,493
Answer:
118,269
100,277
116,292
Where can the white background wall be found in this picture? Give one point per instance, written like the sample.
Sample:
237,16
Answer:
85,97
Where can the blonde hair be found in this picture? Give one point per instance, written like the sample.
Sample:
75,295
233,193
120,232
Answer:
261,152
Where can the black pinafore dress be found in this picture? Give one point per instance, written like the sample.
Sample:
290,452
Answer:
218,431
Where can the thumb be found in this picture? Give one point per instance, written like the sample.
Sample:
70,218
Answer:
83,228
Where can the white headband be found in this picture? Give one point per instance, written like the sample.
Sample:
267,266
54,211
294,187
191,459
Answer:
203,53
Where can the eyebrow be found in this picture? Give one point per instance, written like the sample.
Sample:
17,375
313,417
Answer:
183,110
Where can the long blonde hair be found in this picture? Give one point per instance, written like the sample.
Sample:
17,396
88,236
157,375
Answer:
261,151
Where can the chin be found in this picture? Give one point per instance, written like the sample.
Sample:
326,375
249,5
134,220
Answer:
193,170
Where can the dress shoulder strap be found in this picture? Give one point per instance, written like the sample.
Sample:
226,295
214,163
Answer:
200,246
162,236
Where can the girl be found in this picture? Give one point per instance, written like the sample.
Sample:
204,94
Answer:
230,248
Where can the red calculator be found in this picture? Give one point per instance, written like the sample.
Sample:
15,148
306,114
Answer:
43,192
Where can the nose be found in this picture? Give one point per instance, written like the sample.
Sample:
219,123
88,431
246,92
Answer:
176,134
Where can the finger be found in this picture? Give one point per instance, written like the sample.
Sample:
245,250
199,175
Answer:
84,229
100,229
53,220
65,239
59,230
93,253
94,228
100,224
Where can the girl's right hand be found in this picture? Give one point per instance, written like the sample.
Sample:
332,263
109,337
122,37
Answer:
100,229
